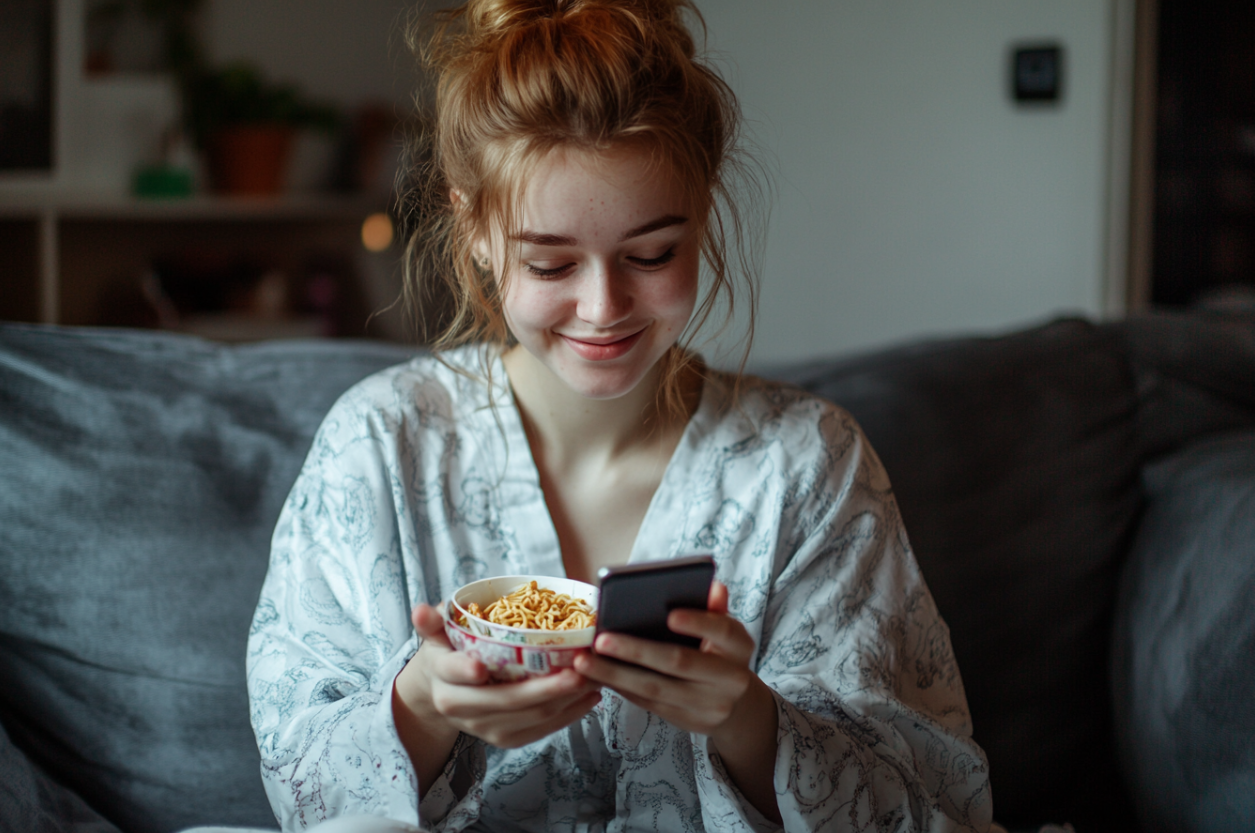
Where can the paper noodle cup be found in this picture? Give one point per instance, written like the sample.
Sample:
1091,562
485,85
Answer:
486,591
508,662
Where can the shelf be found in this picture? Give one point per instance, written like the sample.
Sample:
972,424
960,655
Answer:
64,246
32,203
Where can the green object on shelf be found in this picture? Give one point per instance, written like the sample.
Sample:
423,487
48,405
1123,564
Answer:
162,182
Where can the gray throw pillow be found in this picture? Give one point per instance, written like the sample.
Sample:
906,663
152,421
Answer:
142,476
1184,650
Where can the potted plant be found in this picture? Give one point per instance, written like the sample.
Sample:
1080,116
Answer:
246,127
243,125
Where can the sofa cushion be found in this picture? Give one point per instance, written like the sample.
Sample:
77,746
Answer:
1015,463
1184,645
31,802
1194,375
143,474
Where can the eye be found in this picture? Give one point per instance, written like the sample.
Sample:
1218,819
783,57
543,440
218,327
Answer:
654,262
541,272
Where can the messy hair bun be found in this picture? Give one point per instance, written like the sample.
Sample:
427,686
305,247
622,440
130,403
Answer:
516,79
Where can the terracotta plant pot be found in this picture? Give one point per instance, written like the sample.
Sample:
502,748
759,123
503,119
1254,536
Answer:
250,159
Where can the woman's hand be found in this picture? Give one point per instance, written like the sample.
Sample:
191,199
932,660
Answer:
442,692
710,691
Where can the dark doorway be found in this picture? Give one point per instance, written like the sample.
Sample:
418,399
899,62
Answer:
1204,225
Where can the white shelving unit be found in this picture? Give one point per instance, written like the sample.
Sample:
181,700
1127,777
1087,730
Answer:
69,233
51,209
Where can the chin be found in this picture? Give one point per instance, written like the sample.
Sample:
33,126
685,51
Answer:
602,383
603,389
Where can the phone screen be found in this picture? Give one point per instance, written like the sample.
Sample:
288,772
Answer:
636,598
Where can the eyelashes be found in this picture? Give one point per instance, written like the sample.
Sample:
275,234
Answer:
546,273
654,262
646,263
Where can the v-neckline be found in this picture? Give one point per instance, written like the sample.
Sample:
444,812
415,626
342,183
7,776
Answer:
516,435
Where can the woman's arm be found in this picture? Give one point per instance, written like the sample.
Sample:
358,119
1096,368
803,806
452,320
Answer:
332,630
871,707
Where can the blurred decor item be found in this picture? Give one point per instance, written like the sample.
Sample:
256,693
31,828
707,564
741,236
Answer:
234,297
162,182
247,127
171,177
370,153
250,159
122,36
141,36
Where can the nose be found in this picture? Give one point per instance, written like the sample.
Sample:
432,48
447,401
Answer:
604,297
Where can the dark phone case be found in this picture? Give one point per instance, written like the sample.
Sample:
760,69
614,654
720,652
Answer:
636,599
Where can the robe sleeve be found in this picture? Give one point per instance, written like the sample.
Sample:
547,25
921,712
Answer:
331,632
874,732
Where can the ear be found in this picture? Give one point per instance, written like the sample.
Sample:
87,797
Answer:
479,248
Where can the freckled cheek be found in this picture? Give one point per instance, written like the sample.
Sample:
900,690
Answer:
537,305
676,299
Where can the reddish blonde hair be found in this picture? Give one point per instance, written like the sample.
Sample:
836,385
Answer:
517,79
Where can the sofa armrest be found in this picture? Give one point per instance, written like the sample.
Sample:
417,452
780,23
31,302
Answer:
1183,658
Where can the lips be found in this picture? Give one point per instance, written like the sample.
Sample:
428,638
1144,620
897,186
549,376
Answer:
601,350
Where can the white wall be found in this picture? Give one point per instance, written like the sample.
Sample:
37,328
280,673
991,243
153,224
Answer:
914,197
348,51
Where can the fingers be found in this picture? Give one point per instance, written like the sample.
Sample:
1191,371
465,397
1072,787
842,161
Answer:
532,729
694,705
660,658
717,601
512,714
524,696
697,691
453,668
720,633
438,654
506,715
427,620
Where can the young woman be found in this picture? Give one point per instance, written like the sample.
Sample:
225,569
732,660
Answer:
579,182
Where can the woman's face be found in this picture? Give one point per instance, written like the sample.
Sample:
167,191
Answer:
604,274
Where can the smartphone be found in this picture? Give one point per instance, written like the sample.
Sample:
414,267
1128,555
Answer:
636,598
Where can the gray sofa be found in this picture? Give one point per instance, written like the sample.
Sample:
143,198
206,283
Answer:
1081,499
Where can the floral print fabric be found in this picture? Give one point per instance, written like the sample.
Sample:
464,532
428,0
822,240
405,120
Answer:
421,480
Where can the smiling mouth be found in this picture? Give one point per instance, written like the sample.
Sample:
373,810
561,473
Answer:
603,349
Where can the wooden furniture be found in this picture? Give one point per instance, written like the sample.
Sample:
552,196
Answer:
82,258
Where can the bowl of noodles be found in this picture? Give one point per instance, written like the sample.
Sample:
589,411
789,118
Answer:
522,626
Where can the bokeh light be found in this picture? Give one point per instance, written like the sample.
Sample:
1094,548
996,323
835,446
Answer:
377,232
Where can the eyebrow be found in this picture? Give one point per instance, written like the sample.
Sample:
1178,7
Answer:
538,239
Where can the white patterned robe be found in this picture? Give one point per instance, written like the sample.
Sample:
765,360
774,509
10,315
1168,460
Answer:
416,484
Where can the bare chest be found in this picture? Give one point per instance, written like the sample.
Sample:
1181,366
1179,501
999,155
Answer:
598,518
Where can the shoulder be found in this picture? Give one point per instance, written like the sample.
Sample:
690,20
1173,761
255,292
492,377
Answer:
408,406
777,413
778,433
428,387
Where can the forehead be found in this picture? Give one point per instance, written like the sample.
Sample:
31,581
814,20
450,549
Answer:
608,190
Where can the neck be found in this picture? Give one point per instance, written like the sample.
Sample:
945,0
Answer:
569,426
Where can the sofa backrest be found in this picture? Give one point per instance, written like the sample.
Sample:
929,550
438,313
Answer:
143,472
